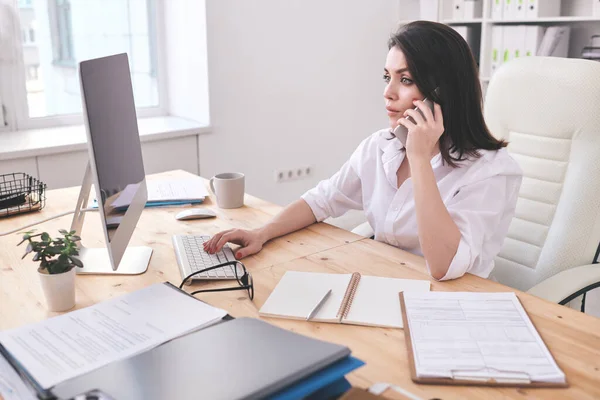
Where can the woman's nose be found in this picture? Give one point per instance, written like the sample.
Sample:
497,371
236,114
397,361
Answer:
388,93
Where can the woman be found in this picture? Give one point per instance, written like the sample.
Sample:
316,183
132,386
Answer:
449,195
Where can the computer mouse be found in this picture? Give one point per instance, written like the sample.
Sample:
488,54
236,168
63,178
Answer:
195,213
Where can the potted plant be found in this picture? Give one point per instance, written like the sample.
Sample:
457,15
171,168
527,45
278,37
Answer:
58,259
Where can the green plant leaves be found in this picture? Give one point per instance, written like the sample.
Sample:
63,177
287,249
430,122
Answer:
76,261
47,249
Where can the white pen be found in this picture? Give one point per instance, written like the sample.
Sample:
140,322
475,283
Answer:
318,306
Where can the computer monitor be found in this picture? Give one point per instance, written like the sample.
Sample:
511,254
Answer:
115,167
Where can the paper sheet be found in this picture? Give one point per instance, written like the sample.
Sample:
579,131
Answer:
178,189
476,335
162,190
11,385
72,344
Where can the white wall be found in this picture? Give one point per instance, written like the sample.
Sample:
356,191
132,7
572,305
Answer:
293,83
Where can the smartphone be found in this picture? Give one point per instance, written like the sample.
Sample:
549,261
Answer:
401,132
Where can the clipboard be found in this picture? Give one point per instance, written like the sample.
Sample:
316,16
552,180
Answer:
462,381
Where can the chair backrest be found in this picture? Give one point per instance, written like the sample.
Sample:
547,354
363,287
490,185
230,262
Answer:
548,108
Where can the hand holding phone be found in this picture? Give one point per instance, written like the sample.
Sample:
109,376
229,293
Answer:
401,132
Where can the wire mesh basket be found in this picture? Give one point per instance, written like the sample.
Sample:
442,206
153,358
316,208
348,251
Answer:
21,193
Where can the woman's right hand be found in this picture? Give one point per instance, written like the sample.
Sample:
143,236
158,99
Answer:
251,242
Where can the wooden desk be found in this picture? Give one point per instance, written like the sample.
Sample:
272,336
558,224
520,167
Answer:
573,338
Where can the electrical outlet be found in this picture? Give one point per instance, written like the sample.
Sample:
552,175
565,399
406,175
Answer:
292,174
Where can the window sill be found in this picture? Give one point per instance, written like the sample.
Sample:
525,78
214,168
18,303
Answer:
37,142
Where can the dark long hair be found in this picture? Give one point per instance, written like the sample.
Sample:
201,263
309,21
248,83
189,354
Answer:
438,57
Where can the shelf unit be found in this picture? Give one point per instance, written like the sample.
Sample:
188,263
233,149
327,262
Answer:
576,13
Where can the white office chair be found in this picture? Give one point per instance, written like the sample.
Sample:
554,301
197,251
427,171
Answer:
548,108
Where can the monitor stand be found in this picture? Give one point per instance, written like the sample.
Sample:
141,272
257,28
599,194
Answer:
97,260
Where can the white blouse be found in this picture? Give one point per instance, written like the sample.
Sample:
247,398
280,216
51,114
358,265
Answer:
480,195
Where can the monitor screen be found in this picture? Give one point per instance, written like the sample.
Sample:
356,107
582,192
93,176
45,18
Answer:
115,150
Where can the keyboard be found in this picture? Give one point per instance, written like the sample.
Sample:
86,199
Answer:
191,257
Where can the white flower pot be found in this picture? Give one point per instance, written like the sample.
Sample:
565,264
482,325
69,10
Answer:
59,290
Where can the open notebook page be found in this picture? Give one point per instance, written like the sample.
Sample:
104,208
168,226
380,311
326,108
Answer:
476,335
297,294
376,301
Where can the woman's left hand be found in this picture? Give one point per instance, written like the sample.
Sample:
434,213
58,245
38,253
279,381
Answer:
424,133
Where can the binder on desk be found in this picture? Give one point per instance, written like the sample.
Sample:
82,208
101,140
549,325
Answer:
259,358
340,298
456,338
244,358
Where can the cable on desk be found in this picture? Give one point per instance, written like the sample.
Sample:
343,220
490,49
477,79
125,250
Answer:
45,220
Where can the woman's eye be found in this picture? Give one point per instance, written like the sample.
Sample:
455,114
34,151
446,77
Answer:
386,78
406,81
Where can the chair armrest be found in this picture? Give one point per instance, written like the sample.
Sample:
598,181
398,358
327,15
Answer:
364,229
567,283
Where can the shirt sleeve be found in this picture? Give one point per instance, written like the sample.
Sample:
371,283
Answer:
482,211
342,192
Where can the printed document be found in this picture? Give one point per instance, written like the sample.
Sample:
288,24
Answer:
69,345
476,336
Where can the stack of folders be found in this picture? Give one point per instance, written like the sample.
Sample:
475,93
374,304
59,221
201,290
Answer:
510,42
161,193
461,338
592,52
340,298
159,342
506,10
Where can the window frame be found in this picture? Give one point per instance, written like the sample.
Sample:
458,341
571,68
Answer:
14,96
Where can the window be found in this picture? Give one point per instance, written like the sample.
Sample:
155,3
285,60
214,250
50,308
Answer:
32,72
63,37
56,35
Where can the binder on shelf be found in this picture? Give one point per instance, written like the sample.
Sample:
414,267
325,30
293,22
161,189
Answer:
508,12
519,9
542,8
555,42
497,9
533,38
472,9
506,44
497,47
519,38
458,13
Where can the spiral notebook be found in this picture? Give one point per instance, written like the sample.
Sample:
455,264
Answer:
340,298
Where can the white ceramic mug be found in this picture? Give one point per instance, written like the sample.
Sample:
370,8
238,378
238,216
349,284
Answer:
229,189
